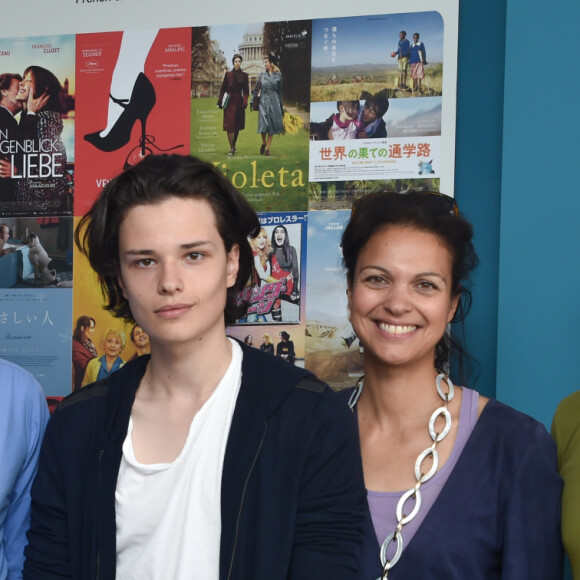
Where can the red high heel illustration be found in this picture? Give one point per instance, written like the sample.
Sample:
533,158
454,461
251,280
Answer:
145,148
136,108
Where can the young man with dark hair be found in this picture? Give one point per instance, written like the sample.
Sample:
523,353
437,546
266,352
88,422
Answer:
205,459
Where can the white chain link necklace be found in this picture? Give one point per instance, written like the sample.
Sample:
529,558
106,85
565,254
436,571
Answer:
415,492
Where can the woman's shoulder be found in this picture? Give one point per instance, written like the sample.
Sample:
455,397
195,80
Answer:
513,429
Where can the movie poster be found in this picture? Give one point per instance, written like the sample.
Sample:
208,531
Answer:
133,101
37,116
93,327
38,253
376,106
333,350
276,308
262,148
35,333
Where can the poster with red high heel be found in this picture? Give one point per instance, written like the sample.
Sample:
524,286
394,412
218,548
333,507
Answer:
133,99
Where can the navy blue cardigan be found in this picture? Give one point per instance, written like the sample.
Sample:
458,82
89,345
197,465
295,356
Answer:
498,514
293,499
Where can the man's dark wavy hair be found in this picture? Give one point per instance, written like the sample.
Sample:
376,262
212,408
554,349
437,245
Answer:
153,180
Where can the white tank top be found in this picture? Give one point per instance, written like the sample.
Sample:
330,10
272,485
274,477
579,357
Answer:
169,514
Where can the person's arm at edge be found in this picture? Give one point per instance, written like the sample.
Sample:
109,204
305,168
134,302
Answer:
18,514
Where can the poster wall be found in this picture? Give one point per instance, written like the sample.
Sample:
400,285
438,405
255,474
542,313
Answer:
348,120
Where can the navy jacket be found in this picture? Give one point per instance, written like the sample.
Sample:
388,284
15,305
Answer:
293,499
498,514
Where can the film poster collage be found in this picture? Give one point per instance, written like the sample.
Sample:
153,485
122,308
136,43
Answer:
349,116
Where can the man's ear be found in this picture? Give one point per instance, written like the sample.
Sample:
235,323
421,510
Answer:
233,265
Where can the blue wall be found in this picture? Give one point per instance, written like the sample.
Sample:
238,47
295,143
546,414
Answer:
539,270
517,180
517,162
478,169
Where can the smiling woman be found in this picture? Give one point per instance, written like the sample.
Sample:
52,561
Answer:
439,461
113,342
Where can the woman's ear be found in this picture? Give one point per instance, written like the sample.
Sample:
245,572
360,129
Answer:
453,306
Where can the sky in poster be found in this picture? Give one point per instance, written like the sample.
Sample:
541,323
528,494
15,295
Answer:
327,277
60,62
229,37
356,36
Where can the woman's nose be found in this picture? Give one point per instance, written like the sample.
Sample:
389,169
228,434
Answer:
397,299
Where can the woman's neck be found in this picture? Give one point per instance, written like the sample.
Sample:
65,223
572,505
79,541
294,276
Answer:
399,393
110,360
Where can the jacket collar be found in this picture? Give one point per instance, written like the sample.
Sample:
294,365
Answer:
266,382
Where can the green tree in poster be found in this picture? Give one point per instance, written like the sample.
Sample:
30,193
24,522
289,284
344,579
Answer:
291,43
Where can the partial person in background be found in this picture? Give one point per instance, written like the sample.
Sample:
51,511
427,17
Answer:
267,346
4,237
285,348
284,266
53,190
9,107
268,92
83,348
141,341
261,249
249,340
371,122
566,432
417,61
459,486
23,417
403,53
345,123
113,343
236,85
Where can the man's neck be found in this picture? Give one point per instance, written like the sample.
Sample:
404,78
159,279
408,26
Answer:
11,109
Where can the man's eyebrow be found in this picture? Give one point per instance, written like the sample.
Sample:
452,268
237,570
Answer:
187,246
